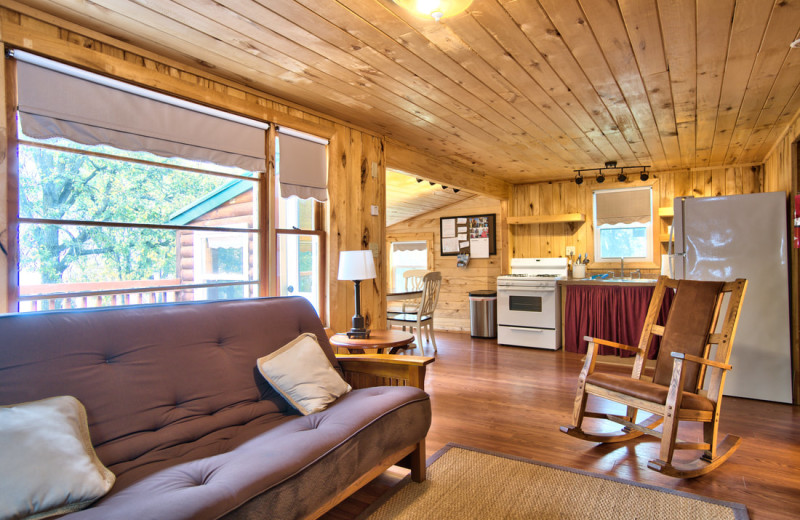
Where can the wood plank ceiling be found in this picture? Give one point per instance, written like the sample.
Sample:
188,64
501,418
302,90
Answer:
526,90
407,198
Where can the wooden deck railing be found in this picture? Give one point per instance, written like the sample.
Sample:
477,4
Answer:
98,294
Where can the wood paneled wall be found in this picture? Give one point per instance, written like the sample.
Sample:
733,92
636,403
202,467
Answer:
550,240
452,311
354,185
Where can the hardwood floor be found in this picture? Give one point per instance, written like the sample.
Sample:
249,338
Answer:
512,400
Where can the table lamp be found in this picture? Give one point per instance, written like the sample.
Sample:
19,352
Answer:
357,266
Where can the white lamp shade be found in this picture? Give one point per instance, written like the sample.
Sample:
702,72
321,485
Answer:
356,265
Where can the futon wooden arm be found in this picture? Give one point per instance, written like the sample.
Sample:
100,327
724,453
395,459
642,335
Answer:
702,361
365,370
608,343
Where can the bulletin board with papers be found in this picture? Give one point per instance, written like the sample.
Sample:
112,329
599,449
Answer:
473,235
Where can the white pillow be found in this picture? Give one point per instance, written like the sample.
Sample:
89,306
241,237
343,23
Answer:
303,375
49,466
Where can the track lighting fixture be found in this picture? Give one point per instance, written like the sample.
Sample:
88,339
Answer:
432,183
456,190
611,165
444,187
419,180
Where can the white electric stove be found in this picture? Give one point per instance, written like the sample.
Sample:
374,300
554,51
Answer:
529,303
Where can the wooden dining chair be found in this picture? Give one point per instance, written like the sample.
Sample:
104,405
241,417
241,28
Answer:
423,317
680,389
412,281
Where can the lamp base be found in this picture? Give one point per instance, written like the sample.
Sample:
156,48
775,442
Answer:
358,333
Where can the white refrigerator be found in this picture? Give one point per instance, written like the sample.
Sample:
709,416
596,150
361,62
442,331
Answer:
744,236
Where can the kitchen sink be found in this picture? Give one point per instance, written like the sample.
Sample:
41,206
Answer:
626,280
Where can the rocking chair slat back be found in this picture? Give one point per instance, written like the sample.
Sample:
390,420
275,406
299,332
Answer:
687,329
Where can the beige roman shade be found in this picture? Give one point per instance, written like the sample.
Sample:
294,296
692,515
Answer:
86,108
302,166
623,206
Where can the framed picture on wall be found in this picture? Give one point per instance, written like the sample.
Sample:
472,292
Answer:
473,235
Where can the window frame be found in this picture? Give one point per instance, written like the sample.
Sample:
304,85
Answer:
651,239
13,294
391,238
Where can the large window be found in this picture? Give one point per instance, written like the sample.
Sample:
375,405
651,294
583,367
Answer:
623,224
126,198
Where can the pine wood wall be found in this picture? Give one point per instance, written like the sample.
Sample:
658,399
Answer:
452,311
352,186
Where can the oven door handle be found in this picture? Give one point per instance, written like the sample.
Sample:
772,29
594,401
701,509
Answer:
527,290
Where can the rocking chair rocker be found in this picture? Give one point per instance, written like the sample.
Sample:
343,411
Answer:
676,392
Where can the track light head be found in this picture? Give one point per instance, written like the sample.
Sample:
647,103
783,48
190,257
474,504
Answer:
622,177
456,190
444,187
600,178
579,179
432,183
419,180
644,175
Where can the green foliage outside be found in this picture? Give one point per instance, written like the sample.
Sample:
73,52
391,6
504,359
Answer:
62,185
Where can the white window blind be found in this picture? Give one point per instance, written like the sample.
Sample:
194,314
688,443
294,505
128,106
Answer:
55,103
303,167
623,206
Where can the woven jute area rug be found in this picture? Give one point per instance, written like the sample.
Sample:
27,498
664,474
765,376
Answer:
466,483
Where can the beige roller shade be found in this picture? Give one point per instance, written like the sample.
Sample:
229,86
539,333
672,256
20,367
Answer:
623,206
302,167
55,103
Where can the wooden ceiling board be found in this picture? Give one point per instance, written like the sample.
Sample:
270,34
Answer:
517,90
406,198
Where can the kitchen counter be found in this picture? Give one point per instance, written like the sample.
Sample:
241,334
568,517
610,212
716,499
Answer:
628,282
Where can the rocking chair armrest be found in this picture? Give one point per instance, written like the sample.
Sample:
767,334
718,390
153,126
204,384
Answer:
702,361
608,343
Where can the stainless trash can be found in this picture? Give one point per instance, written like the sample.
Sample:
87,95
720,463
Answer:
483,314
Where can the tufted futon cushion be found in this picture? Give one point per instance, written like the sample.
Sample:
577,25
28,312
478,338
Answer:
179,413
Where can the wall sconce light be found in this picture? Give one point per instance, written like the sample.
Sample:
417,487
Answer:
357,266
579,179
436,9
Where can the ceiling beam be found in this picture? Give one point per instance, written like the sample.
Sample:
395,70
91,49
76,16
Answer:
411,161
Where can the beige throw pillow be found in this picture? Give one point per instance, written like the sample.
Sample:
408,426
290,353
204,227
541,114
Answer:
303,375
48,466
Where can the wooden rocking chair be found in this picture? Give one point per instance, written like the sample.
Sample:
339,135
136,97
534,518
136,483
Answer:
676,392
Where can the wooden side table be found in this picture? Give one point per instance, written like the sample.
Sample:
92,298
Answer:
394,340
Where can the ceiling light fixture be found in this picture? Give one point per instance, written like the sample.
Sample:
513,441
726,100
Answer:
432,183
419,180
611,165
444,187
436,9
456,190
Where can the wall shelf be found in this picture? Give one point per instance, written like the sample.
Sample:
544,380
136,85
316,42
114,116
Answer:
666,212
548,219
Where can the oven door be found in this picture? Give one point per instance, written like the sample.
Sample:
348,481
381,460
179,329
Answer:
529,317
527,306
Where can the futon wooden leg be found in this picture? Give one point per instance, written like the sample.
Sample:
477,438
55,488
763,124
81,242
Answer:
418,462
